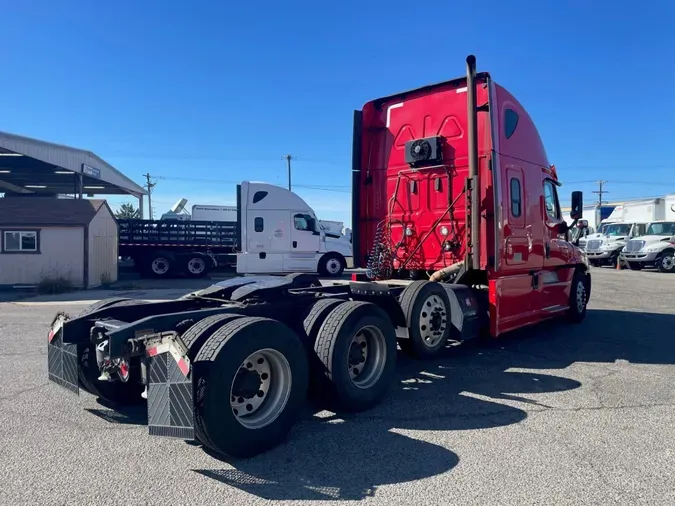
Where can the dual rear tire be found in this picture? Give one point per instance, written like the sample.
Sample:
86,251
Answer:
353,347
251,375
250,382
167,264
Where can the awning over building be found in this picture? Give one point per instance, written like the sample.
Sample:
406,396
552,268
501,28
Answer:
33,167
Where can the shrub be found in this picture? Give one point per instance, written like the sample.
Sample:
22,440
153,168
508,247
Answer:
49,285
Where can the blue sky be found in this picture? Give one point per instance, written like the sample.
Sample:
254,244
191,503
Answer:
208,91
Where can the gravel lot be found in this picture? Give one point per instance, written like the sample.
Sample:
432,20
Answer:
558,414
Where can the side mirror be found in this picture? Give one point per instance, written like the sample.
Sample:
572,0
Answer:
577,211
582,224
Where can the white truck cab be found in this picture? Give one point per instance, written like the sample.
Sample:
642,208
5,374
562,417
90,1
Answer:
605,248
655,247
280,233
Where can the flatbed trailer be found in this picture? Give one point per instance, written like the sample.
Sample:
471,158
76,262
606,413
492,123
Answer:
230,366
161,248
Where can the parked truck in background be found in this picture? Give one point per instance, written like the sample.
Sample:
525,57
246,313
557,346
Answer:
456,211
272,230
656,246
598,221
605,248
219,213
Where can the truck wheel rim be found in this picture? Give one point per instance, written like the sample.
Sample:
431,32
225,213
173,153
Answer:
333,266
160,266
433,321
667,262
581,296
367,357
261,388
196,266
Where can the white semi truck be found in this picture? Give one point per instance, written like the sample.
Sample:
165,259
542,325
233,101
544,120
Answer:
272,231
595,222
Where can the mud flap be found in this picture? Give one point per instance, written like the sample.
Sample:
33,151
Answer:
170,399
62,362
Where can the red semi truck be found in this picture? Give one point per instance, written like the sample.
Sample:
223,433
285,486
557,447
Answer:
452,180
456,214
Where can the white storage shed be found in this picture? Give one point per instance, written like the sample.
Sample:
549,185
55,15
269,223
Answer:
43,237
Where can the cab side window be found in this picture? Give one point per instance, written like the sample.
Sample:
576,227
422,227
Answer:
551,201
304,222
510,122
516,201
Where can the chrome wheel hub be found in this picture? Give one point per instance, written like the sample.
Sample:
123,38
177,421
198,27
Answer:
160,266
196,265
433,321
367,356
581,296
333,266
260,389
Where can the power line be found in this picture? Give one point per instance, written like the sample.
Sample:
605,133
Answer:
331,188
346,162
614,181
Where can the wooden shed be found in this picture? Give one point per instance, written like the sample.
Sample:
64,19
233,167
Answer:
48,238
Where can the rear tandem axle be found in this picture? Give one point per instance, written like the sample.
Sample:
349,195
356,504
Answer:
231,366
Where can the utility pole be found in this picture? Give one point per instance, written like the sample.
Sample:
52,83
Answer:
149,185
600,191
288,159
599,203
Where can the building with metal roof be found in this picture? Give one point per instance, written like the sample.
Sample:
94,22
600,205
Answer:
31,167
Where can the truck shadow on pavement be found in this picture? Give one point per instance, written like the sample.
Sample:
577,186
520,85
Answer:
334,456
473,386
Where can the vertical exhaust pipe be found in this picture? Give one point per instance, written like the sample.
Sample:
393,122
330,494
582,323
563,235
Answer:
356,190
473,249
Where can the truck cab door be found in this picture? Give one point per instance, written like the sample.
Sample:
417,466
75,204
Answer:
517,285
557,250
305,244
267,241
557,253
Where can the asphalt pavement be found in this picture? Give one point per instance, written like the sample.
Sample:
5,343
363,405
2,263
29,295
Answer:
555,415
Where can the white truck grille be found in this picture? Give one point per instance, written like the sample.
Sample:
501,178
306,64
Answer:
634,246
593,244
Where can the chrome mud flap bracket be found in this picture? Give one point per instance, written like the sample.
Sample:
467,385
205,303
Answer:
170,394
62,361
